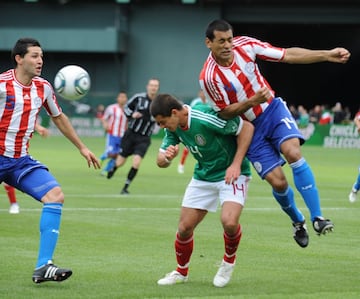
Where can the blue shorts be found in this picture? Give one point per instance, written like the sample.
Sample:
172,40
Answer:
27,175
272,128
112,144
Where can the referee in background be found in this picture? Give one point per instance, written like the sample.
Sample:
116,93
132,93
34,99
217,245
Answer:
137,137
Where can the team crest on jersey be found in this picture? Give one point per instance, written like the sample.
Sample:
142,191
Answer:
258,167
250,67
38,102
200,140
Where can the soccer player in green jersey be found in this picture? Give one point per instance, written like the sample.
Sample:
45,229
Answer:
221,175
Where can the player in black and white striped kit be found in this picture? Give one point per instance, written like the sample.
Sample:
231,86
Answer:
137,138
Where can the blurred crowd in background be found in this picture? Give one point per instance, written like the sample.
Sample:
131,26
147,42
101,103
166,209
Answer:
321,114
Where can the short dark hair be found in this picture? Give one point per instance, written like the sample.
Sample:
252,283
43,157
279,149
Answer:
21,47
217,25
163,104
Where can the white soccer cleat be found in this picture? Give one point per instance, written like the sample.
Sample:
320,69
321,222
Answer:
14,208
223,275
172,278
352,196
181,169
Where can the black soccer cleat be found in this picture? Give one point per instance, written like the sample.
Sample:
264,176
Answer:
50,272
124,192
111,172
300,234
322,226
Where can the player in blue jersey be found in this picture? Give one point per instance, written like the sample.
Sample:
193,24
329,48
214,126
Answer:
221,175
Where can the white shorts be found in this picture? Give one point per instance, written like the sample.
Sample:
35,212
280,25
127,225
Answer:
207,195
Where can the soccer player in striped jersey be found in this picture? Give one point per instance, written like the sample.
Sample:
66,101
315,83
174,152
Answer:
221,175
114,122
22,94
230,78
356,186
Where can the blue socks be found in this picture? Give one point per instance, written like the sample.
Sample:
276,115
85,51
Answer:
109,165
357,183
103,156
287,203
305,184
49,232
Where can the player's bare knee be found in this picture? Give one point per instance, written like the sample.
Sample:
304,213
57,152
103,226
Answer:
293,156
185,231
292,153
230,225
54,195
280,185
277,180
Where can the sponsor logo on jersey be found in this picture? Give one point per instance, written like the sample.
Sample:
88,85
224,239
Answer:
230,87
10,102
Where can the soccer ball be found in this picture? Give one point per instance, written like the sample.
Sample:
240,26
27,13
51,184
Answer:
72,82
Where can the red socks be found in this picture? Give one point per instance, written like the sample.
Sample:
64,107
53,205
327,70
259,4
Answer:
183,249
10,190
231,245
184,156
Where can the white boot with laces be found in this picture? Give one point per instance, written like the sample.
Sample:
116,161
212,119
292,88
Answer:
173,277
223,275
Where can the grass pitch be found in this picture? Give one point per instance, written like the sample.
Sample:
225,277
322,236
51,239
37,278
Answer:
119,246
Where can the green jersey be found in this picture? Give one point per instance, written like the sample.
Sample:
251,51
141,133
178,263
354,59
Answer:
211,140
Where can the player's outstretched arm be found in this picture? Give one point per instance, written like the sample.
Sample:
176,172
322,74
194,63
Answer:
243,142
66,128
305,56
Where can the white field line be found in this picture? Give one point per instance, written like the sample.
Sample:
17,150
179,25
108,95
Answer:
127,198
104,209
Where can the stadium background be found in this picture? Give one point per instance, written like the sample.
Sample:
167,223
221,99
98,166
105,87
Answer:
123,45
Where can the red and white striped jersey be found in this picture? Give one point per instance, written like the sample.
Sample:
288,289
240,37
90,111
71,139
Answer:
19,108
115,117
242,79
